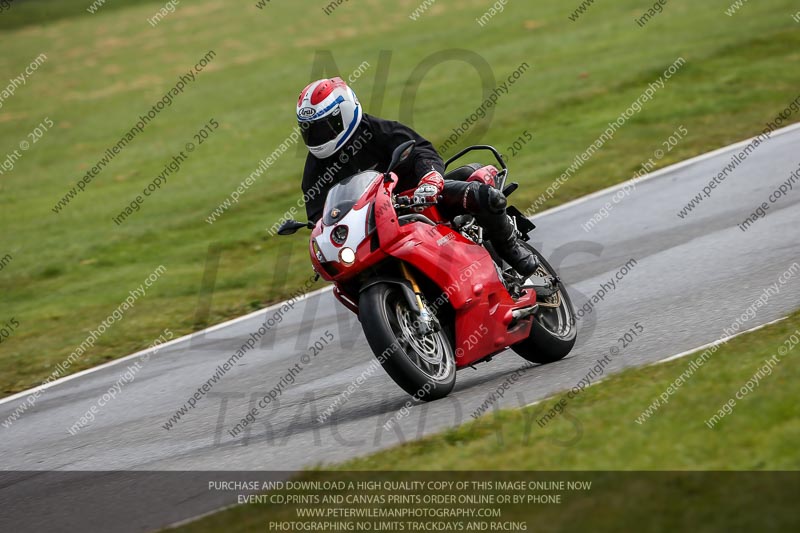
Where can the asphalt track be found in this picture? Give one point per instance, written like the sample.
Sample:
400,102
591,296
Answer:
693,278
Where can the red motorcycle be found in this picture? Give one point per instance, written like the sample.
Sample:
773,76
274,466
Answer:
431,295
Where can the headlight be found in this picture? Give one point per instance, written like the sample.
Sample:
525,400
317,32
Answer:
339,235
347,256
317,251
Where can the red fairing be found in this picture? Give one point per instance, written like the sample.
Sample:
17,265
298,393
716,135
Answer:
465,271
486,175
462,269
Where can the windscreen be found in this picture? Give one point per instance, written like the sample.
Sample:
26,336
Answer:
344,195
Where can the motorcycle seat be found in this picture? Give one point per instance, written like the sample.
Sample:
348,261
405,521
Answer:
463,173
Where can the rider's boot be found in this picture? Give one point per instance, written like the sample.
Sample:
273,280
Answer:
501,231
503,237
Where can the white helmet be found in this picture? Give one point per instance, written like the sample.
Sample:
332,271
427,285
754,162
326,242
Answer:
328,113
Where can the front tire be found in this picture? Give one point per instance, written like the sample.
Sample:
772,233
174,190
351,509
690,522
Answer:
423,366
554,330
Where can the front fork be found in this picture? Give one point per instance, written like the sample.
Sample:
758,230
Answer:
425,323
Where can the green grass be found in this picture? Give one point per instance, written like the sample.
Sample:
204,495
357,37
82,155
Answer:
757,436
597,437
69,271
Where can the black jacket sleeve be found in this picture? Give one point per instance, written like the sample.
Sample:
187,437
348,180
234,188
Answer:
380,138
423,159
314,190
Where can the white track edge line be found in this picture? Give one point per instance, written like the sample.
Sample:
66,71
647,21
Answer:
676,356
184,338
718,342
552,210
660,361
662,171
191,519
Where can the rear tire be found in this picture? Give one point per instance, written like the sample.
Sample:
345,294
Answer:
554,330
423,366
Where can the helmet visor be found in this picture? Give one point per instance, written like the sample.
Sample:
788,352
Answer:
319,132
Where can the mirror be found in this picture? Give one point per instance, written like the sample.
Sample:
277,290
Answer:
291,226
400,154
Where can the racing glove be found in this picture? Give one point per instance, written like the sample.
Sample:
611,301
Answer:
429,188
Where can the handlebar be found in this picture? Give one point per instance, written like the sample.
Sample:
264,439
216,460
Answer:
408,202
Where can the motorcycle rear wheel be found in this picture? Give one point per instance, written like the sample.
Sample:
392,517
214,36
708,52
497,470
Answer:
423,366
554,330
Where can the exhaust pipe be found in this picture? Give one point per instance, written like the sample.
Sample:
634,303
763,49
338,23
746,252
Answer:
525,312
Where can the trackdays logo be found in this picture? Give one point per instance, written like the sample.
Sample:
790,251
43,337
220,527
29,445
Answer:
306,112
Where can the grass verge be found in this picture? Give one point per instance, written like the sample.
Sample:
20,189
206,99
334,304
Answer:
598,432
66,272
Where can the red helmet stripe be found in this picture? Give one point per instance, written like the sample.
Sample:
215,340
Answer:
322,91
303,94
325,88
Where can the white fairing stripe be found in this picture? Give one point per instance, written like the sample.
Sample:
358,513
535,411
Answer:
356,222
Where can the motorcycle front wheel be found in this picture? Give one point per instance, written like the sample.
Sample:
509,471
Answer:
422,365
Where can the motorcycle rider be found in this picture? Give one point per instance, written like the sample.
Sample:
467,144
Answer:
330,117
